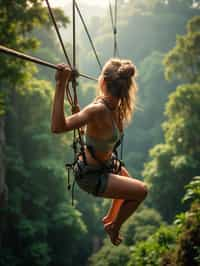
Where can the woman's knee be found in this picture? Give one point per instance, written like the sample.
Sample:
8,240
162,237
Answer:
144,191
125,188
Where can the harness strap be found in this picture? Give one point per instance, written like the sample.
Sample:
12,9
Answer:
116,160
73,186
70,167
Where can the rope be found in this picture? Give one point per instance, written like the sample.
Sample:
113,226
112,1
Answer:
89,36
58,33
115,31
111,15
115,13
75,101
114,26
61,41
74,32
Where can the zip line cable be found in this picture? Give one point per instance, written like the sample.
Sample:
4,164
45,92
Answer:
76,139
26,57
33,59
88,34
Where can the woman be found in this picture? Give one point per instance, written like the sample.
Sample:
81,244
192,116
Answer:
104,119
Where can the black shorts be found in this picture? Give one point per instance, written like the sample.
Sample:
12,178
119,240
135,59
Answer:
93,178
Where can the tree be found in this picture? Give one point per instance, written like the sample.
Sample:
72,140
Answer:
177,244
153,93
150,252
174,163
187,251
141,225
182,62
14,27
110,256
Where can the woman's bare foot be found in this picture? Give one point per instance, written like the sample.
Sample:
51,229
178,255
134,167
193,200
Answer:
113,233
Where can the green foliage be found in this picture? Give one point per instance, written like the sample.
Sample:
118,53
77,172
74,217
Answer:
161,178
110,256
2,105
141,225
174,245
182,61
149,252
186,251
193,190
45,224
177,159
50,48
8,258
182,128
38,254
148,117
61,19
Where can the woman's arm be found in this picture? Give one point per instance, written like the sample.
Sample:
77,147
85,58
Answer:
58,115
59,122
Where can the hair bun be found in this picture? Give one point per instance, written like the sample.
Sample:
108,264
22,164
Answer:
126,70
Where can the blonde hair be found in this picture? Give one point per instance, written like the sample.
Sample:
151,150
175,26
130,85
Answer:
119,76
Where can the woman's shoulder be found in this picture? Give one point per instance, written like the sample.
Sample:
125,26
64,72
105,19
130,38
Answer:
95,108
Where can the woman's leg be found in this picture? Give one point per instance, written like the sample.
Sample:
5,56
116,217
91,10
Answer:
132,191
116,203
112,212
126,210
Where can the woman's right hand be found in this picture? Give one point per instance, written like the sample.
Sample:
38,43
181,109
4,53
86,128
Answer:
63,73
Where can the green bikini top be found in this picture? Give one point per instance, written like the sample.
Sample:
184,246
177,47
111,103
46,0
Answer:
104,144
